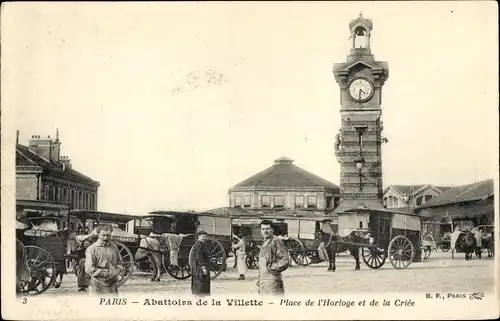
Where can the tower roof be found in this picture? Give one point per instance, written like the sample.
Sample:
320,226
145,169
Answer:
284,174
367,23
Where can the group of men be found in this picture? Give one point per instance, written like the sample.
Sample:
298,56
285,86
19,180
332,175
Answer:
273,260
98,272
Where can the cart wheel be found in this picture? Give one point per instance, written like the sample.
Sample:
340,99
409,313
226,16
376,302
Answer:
42,271
374,256
126,262
427,252
298,252
252,259
181,271
217,258
401,252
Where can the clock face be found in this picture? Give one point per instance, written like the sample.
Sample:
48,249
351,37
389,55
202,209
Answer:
360,89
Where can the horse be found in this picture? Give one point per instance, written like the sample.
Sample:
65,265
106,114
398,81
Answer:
150,247
153,245
467,242
489,244
337,244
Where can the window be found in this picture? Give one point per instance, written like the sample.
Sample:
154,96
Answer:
46,192
420,200
360,225
246,201
73,198
312,202
266,201
237,201
428,198
51,193
278,201
299,201
329,203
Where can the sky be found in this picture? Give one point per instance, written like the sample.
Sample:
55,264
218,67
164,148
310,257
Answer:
168,105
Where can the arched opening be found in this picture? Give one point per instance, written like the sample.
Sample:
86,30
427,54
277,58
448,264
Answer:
361,37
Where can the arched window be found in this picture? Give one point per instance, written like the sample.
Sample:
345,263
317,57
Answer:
360,37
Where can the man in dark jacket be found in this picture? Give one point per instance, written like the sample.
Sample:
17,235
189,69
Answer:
198,261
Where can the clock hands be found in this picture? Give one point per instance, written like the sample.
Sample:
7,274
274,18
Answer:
360,91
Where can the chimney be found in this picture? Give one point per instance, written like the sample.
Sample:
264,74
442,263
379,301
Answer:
66,162
46,147
17,137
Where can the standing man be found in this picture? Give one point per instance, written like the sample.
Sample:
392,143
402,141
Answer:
83,241
198,261
241,256
273,259
453,240
101,263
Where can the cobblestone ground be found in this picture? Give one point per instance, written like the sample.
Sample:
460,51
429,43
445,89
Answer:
439,273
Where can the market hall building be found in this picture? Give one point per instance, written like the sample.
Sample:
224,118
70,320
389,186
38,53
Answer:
465,206
283,190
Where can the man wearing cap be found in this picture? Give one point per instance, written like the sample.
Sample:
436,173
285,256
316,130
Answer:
198,261
273,259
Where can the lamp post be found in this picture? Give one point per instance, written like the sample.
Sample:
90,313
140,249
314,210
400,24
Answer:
359,162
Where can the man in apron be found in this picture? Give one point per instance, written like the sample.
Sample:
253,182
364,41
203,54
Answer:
273,260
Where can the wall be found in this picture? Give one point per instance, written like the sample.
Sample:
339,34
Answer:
26,186
348,222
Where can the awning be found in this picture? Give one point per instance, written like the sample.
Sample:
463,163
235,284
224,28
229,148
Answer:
41,205
104,216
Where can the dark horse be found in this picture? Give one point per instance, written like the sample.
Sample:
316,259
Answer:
466,242
337,244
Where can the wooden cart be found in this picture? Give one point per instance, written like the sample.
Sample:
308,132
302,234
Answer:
396,235
298,229
186,224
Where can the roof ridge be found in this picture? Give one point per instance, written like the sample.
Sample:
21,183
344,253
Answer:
314,175
271,169
471,188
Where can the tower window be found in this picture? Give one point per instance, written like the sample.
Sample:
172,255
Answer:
360,31
360,37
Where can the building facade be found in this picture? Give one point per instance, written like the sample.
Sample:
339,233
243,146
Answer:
410,196
44,176
465,206
284,186
358,144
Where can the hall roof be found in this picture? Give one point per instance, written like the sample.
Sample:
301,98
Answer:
284,174
464,193
26,159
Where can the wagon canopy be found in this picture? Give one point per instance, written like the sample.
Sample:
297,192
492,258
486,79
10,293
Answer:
103,216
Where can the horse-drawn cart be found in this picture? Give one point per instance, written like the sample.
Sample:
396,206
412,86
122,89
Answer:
173,233
393,234
298,230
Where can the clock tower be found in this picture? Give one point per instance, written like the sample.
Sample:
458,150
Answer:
358,143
